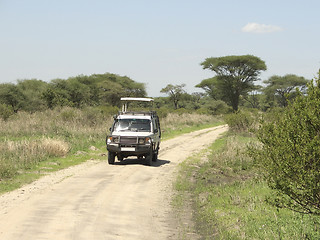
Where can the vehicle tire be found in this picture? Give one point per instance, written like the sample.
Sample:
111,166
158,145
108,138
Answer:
155,156
111,157
149,158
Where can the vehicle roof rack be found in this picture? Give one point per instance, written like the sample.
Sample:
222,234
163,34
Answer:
136,99
129,99
138,113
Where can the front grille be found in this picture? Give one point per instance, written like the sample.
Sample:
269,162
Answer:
128,140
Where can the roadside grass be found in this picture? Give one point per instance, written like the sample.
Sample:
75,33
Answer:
33,172
32,145
176,124
228,197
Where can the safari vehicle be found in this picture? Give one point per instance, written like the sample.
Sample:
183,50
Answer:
134,133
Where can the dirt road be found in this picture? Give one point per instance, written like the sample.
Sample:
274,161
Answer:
97,201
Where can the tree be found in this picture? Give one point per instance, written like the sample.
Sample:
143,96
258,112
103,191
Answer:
254,97
281,89
112,87
33,89
12,96
210,87
290,153
79,91
235,76
57,94
175,92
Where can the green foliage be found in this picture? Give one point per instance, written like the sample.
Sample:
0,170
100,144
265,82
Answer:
175,93
80,91
12,96
210,86
235,76
241,121
281,89
217,107
32,90
228,195
5,111
290,153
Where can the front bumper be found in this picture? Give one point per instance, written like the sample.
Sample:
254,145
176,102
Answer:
131,150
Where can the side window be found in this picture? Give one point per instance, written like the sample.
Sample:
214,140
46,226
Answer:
155,124
158,126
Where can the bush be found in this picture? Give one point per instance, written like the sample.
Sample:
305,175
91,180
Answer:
240,121
5,111
290,154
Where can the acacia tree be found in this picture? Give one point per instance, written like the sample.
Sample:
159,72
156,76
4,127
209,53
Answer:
12,96
281,89
235,76
290,153
254,97
175,93
210,87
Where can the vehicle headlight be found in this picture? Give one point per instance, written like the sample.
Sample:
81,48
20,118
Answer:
116,139
113,140
141,141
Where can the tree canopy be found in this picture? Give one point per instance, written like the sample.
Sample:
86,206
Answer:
12,96
280,89
235,76
97,89
175,92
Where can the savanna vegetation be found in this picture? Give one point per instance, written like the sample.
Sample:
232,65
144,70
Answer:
260,181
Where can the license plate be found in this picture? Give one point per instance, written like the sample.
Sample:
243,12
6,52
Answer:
128,149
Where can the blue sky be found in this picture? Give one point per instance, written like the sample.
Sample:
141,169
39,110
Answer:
155,42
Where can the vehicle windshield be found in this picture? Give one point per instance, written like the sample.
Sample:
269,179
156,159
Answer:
132,125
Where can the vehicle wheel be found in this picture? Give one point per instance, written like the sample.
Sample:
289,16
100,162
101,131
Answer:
111,157
155,156
149,158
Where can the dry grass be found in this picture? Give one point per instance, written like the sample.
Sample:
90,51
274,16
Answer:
54,147
56,122
173,120
16,155
27,139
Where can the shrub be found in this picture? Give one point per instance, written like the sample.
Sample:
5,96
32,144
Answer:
240,121
290,154
5,111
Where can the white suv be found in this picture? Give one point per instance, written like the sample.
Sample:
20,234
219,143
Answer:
134,133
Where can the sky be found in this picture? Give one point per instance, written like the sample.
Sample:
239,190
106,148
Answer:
155,42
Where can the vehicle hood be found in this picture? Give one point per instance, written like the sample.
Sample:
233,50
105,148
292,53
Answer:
132,134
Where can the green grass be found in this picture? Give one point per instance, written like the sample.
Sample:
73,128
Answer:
228,197
25,155
42,168
171,133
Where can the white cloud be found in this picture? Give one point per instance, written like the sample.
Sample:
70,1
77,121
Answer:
260,28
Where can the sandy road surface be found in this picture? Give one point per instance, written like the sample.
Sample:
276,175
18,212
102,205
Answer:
96,201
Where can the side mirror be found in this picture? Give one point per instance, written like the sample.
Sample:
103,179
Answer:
156,131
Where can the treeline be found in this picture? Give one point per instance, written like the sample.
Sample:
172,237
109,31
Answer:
95,90
233,85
